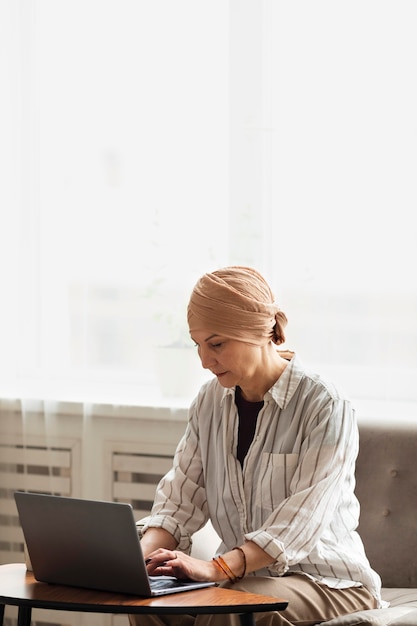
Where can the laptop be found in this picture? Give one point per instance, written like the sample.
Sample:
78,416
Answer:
89,543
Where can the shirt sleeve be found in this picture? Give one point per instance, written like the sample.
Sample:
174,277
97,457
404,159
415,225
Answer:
180,504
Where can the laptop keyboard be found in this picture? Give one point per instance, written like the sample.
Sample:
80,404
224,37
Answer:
164,582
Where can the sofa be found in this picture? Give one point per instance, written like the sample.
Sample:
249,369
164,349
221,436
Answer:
386,486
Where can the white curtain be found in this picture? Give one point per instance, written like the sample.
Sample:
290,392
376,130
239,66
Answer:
144,143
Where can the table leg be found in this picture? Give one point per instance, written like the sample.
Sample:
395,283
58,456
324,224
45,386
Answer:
24,616
247,619
1,614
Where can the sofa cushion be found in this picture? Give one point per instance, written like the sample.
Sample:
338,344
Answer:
400,597
408,620
401,612
393,616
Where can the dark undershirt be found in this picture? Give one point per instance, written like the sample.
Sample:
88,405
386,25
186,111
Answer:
248,415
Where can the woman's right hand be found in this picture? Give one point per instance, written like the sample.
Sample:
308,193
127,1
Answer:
163,562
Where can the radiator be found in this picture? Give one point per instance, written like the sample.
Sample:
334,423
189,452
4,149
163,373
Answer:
99,452
133,471
49,469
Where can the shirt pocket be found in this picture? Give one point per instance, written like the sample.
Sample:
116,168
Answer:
275,475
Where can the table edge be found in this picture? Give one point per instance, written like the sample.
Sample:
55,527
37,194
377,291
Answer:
213,609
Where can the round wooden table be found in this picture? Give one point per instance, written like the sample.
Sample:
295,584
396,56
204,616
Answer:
19,588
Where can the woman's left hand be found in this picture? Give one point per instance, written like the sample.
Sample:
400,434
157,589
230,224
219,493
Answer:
163,562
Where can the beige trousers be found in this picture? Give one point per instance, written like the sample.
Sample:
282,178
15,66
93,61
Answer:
309,603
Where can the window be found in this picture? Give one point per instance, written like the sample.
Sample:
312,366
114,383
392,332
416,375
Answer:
148,142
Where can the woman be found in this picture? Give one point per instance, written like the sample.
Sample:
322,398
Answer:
269,456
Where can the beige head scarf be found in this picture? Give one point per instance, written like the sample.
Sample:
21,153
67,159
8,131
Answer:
236,302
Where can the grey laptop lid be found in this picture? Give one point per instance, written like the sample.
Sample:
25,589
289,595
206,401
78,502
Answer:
88,543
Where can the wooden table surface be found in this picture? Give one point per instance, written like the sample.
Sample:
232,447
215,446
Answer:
18,587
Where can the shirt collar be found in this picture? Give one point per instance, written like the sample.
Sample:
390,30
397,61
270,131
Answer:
284,388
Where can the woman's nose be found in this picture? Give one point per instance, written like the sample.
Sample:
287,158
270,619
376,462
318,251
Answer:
207,360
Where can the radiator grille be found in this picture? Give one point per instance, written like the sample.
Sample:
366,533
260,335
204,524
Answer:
44,469
52,468
135,476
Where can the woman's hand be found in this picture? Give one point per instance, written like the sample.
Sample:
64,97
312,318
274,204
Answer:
238,562
163,562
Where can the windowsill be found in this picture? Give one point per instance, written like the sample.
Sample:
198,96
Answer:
110,389
94,409
113,394
99,400
128,401
390,411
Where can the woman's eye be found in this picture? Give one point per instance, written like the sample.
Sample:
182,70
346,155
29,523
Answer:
216,345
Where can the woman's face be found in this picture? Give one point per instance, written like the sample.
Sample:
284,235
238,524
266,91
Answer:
233,362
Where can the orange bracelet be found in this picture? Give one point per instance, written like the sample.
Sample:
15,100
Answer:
227,570
231,575
223,569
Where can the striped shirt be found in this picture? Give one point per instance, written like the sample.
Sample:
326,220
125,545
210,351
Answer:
294,496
